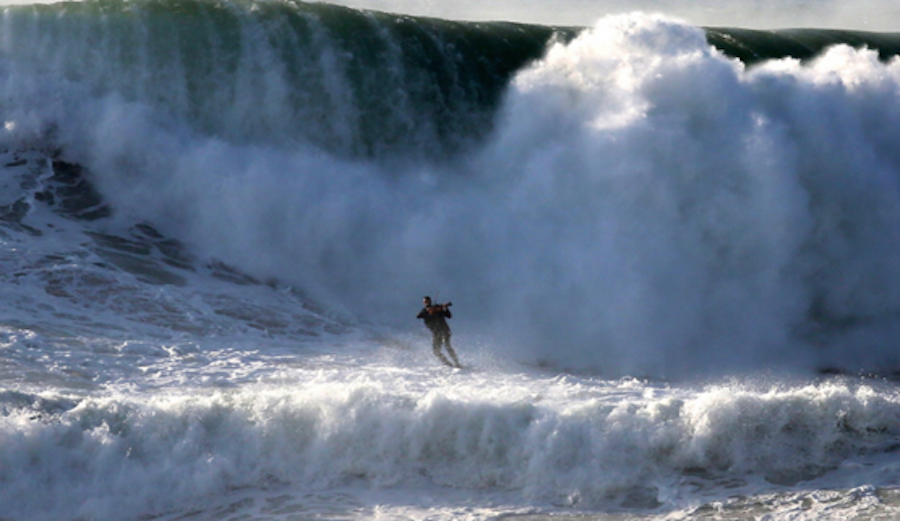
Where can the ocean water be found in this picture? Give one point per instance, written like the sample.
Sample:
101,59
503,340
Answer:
673,253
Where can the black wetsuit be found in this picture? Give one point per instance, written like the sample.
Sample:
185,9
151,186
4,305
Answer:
436,321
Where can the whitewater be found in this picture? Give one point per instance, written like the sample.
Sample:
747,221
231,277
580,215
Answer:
673,254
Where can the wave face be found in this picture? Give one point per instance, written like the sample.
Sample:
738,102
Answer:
287,73
625,198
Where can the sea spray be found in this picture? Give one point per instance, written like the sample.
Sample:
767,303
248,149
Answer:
642,154
701,206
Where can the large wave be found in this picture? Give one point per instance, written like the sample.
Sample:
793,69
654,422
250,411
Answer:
625,198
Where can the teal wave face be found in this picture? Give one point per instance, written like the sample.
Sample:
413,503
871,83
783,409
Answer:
349,81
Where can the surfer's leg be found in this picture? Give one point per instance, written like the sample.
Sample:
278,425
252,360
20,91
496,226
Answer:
436,346
450,350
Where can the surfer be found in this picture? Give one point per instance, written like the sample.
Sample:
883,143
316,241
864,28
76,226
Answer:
435,319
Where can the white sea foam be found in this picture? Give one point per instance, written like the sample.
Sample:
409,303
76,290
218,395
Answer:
505,437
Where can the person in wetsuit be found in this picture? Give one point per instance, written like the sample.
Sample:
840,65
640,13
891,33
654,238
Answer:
435,319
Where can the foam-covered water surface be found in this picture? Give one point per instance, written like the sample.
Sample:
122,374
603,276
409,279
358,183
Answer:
355,439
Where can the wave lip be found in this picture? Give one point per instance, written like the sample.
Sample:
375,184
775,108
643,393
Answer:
756,46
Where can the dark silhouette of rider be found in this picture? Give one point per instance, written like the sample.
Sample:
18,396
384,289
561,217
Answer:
435,319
